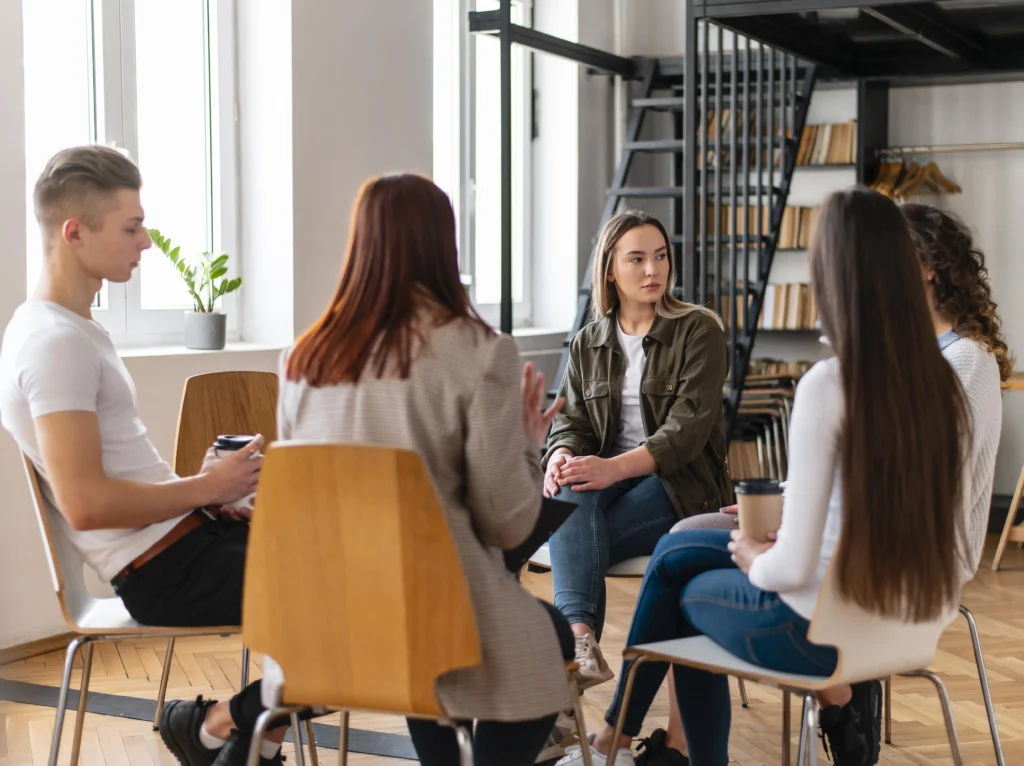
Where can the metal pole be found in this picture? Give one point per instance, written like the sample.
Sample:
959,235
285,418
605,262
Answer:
747,319
688,254
705,164
505,38
733,193
718,172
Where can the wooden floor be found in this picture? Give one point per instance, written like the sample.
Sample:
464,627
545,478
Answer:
210,666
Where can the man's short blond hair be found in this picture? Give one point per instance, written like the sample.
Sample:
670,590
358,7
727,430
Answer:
76,182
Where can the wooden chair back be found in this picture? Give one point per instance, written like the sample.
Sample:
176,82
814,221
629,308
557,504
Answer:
353,583
216,403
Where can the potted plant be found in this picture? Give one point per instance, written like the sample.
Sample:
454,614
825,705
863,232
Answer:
206,280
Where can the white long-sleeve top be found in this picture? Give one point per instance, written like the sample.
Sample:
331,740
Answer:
812,514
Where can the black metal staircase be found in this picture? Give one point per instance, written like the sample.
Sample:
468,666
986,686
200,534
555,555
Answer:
742,180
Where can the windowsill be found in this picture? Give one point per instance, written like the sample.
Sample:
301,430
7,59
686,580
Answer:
239,347
530,332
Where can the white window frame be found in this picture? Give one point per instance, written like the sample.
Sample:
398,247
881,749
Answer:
462,65
113,45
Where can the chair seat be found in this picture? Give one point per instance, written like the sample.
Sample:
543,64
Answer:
108,617
702,652
628,568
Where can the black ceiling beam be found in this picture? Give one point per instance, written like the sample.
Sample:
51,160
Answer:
722,9
487,22
817,47
931,31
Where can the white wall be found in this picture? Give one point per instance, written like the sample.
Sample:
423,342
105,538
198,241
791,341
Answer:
313,124
993,187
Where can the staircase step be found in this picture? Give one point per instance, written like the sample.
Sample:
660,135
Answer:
677,145
674,192
677,103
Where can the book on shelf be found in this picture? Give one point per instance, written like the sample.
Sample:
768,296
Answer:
794,231
788,307
831,144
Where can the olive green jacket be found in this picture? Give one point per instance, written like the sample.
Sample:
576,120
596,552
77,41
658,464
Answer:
681,404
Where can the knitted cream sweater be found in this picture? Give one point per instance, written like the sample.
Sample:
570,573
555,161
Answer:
979,375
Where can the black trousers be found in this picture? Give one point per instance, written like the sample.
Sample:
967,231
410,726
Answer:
197,582
494,743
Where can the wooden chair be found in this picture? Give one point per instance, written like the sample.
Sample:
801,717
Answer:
364,605
93,619
869,647
1011,532
212,404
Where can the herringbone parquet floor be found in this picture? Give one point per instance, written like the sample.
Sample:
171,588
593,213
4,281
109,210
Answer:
209,666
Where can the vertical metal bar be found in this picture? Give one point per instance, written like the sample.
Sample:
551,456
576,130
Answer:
688,251
770,142
759,154
784,126
733,191
718,171
705,166
505,39
746,190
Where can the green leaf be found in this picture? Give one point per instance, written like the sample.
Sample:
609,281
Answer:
219,261
218,273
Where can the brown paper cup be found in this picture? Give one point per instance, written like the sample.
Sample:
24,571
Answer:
760,507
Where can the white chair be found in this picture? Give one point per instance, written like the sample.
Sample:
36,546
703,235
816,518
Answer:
869,647
986,691
93,619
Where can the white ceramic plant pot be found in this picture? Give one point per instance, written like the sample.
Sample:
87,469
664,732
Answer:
206,331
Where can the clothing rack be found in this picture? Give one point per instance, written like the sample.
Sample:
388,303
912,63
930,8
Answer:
949,148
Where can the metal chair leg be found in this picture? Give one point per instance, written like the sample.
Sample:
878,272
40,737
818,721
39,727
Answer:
986,691
465,746
581,724
259,732
162,691
787,728
245,666
807,751
343,740
947,713
62,699
620,720
887,696
743,693
83,699
314,757
300,755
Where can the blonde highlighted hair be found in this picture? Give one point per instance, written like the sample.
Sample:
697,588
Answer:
604,299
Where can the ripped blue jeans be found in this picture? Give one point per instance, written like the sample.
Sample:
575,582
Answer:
610,525
692,588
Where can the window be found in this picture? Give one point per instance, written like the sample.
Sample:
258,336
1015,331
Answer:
467,149
155,79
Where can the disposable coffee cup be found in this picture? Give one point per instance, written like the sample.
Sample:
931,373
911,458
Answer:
225,445
760,507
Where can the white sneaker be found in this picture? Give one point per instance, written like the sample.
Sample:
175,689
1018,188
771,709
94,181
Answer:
593,670
623,756
562,737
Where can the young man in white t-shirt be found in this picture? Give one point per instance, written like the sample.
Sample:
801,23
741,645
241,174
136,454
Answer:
68,400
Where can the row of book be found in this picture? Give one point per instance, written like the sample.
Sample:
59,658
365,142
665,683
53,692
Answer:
834,144
786,307
795,232
777,367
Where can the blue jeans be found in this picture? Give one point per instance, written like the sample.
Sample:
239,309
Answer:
692,588
611,525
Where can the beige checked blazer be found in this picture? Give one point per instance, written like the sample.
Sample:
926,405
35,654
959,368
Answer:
461,410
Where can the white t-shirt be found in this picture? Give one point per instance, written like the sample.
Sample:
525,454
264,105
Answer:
53,360
631,426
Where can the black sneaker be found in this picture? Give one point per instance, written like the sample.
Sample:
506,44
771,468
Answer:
843,734
654,751
180,722
867,700
236,752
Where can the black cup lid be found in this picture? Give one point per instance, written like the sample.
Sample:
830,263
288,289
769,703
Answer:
759,487
230,443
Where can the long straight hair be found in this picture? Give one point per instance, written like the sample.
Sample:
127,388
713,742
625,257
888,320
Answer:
906,432
605,300
402,257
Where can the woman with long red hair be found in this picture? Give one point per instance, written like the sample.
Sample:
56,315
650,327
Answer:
399,358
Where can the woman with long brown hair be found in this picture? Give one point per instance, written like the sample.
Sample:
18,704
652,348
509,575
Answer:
875,481
640,442
399,358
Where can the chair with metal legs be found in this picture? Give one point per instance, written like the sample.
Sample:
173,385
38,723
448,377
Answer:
380,649
865,642
986,691
93,619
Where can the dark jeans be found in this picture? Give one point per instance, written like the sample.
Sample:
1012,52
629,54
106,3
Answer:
611,525
197,582
494,743
692,588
